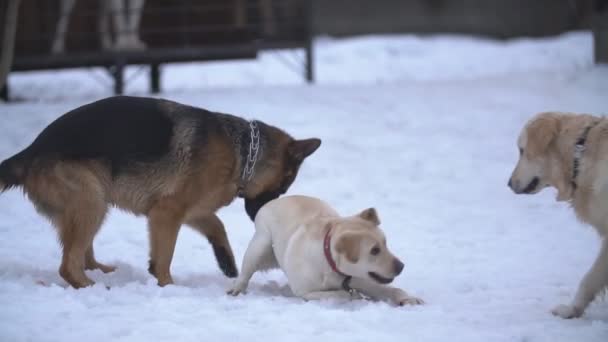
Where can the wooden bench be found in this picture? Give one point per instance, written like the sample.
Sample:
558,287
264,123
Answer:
173,31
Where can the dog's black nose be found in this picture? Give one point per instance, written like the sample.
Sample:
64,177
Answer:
398,265
509,184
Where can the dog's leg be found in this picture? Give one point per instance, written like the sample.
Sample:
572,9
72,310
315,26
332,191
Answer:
384,293
103,21
119,23
214,231
135,9
73,198
332,294
77,227
164,221
65,10
257,256
594,281
72,262
91,264
75,234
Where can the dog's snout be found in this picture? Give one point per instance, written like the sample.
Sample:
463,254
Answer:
514,185
398,265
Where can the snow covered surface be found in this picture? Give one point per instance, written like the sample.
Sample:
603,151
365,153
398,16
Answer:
423,129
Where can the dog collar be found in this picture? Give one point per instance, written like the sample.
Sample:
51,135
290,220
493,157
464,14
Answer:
327,251
251,158
579,150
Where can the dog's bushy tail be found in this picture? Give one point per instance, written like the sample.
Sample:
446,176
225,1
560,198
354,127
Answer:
12,172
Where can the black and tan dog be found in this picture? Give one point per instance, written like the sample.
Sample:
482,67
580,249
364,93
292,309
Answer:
173,163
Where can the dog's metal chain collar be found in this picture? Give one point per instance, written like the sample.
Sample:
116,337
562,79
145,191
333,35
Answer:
346,286
252,156
354,293
579,150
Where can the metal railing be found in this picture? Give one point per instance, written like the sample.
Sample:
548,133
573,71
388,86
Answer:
115,33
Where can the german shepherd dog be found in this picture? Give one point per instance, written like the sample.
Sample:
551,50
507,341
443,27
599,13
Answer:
173,163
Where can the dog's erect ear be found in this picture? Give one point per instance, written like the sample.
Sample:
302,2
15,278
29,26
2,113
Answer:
370,215
541,132
349,245
300,149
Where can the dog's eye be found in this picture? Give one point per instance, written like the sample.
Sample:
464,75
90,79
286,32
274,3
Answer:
375,250
521,151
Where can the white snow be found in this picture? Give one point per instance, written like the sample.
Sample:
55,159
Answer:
423,129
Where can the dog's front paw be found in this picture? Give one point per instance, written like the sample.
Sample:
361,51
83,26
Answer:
356,295
567,311
236,290
410,301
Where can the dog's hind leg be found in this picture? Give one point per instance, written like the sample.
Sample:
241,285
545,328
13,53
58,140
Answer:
164,221
77,226
90,263
594,281
76,233
258,256
214,231
73,198
79,222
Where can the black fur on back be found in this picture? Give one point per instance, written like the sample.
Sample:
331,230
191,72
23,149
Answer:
119,130
10,175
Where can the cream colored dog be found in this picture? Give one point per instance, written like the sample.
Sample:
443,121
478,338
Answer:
322,254
570,153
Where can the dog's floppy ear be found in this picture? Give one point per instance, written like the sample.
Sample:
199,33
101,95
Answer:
370,215
541,132
300,149
349,245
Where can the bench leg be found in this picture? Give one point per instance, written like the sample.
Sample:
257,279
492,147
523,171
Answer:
310,76
4,92
600,40
155,78
119,82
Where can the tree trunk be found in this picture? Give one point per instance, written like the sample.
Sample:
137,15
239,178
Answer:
600,32
8,40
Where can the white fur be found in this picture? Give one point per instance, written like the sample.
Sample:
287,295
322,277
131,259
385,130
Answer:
553,166
289,235
125,24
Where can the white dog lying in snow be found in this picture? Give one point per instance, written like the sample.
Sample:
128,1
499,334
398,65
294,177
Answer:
322,254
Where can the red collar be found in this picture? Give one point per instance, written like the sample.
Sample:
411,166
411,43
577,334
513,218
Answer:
327,252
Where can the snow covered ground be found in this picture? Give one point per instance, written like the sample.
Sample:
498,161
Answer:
423,129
